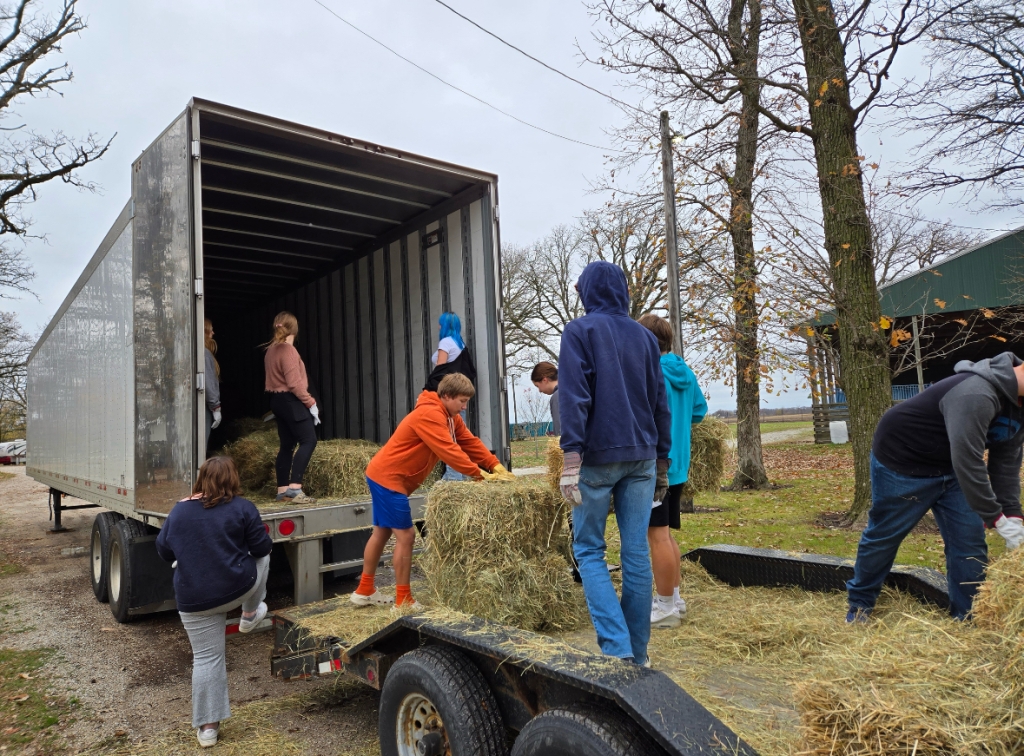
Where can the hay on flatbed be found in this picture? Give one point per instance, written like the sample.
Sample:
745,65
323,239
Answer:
493,551
556,457
708,453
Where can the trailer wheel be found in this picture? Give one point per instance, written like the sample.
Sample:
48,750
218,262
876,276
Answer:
99,552
435,702
583,728
119,575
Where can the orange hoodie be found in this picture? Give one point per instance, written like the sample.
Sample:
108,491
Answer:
424,436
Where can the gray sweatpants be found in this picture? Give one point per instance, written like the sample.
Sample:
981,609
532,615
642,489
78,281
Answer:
209,667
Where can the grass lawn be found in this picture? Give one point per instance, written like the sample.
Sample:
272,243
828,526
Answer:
813,479
30,719
530,453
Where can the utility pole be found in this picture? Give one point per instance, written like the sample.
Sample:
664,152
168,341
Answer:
671,248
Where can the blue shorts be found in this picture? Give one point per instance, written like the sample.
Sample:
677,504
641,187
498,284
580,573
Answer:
390,508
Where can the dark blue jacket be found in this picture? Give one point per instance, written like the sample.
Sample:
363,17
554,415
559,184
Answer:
611,393
216,550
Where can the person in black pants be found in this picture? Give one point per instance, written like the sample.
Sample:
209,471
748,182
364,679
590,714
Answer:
294,409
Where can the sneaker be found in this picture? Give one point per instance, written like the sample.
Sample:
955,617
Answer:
413,606
207,738
248,625
282,496
664,617
681,606
374,599
301,498
647,664
858,615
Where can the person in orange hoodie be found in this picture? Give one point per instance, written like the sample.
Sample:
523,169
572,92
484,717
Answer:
433,431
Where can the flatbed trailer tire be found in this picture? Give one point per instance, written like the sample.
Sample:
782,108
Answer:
120,572
99,553
435,701
589,729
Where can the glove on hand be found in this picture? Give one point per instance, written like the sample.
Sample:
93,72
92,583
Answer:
315,412
1011,529
570,482
500,473
661,482
216,419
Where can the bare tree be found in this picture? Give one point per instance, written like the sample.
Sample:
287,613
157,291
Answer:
969,113
15,346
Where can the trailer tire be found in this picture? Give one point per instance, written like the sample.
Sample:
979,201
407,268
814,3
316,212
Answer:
436,698
119,577
583,728
99,553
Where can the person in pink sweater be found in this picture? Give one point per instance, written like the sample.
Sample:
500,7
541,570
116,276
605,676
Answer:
293,407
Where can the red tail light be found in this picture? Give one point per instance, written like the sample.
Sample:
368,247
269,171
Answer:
266,527
286,527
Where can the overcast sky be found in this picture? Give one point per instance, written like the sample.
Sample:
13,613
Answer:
138,63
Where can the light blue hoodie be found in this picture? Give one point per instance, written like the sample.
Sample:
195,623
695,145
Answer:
687,405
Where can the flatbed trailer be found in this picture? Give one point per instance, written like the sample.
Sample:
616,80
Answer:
235,216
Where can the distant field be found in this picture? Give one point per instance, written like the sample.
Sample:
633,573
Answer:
774,427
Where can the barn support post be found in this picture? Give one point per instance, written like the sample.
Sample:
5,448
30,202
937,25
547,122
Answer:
917,354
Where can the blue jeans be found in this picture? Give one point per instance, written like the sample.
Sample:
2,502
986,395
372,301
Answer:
898,502
623,627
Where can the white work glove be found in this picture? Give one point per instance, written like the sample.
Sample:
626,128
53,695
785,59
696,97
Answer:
315,412
216,419
570,481
1011,529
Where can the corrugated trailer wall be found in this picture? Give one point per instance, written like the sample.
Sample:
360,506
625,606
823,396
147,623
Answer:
81,384
367,330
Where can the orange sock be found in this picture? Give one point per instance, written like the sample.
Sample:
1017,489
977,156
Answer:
365,585
403,595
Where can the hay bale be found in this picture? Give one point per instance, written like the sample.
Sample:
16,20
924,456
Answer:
492,552
708,451
555,457
254,457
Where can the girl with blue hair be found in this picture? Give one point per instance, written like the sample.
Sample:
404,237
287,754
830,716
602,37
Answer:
450,343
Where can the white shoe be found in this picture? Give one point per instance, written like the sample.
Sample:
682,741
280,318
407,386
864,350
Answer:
207,738
415,606
681,606
374,599
664,617
248,625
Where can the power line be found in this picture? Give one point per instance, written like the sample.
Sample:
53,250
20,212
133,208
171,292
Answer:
459,89
538,60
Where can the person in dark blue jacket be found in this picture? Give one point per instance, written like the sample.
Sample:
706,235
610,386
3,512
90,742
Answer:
616,436
220,552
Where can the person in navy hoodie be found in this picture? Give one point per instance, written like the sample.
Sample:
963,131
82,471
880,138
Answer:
220,552
616,436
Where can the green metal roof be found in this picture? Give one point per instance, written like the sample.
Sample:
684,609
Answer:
990,274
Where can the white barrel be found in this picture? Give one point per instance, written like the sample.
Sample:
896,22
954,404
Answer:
838,432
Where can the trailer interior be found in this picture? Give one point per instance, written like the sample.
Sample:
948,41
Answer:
292,220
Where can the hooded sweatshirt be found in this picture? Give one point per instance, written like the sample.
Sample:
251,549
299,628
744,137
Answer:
424,436
687,405
611,393
947,429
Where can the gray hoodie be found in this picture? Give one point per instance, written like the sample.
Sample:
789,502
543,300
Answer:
948,428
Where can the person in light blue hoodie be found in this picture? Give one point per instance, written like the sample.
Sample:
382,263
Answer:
688,407
616,437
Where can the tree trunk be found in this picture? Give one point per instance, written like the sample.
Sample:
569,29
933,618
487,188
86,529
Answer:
750,471
864,357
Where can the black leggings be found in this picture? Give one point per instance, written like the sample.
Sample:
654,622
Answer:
294,426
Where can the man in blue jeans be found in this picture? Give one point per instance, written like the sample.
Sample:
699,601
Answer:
929,453
616,435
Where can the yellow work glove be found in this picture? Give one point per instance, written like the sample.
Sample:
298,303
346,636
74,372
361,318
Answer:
500,473
488,477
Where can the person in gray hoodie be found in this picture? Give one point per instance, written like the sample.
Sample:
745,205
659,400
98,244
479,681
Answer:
928,453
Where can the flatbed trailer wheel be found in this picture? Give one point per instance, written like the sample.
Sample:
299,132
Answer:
583,729
435,702
120,576
99,552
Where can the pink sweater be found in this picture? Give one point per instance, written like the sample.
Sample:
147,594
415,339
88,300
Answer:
286,372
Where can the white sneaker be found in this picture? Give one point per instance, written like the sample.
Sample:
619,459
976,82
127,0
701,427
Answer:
664,616
207,738
415,606
248,625
374,599
681,606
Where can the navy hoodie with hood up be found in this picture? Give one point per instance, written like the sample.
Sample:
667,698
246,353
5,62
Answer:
611,392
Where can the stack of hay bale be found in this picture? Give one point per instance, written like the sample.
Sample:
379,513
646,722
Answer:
492,551
908,685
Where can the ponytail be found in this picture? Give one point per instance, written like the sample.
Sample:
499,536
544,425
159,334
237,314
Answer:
285,325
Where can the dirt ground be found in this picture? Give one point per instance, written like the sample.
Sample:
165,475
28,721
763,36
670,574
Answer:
133,681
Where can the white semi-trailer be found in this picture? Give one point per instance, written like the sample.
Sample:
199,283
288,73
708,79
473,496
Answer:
235,216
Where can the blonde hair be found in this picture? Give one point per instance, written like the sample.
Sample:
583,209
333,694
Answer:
455,385
210,344
285,325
